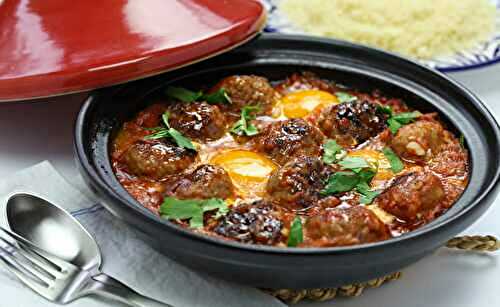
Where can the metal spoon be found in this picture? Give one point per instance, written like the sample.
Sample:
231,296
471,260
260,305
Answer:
56,231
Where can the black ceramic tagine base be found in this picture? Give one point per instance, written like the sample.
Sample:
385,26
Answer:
295,268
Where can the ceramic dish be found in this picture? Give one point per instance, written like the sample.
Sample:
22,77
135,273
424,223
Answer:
276,56
50,48
482,55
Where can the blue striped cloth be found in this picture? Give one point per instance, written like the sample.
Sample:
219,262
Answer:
125,256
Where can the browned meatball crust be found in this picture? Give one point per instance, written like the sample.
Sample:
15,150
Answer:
412,196
352,123
287,139
249,90
258,223
206,181
344,226
297,184
198,120
157,159
305,81
420,141
151,116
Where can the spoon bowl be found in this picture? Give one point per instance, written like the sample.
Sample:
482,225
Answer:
52,229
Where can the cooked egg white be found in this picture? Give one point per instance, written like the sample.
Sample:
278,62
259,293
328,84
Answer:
302,103
248,170
384,216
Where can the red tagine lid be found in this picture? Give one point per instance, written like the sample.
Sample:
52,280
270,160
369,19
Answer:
54,47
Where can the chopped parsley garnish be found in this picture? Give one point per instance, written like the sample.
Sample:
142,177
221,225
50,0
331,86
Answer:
296,236
339,182
219,96
461,140
244,126
186,95
357,175
354,163
385,109
169,132
396,163
396,121
192,209
406,117
183,94
345,97
330,151
367,195
394,125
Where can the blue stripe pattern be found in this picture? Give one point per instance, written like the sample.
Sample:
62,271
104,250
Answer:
484,54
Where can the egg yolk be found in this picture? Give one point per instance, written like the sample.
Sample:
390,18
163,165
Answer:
248,170
377,160
302,103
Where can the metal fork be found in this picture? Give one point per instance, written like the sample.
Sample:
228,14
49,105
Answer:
58,280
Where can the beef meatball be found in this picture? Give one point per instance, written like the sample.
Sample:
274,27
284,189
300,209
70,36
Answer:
412,196
151,116
344,226
352,122
249,90
288,139
420,141
206,181
305,81
198,120
157,159
297,184
257,223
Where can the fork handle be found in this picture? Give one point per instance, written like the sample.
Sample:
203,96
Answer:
111,288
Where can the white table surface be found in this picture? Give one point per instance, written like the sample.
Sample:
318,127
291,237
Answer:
33,132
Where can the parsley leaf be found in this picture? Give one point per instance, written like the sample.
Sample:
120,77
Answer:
367,174
396,121
219,96
396,163
331,150
340,182
192,209
216,203
167,131
357,178
345,97
186,95
296,235
367,195
461,140
181,140
394,125
406,117
183,94
385,109
354,163
243,126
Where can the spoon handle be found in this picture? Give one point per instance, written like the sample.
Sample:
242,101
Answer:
111,288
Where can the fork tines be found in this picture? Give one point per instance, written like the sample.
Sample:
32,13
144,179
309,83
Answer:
27,261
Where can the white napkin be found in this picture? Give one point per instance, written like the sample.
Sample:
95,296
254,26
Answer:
125,257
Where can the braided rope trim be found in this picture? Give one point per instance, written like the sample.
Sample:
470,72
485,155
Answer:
475,243
467,243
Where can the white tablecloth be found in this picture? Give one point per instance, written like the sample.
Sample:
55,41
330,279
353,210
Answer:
30,133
